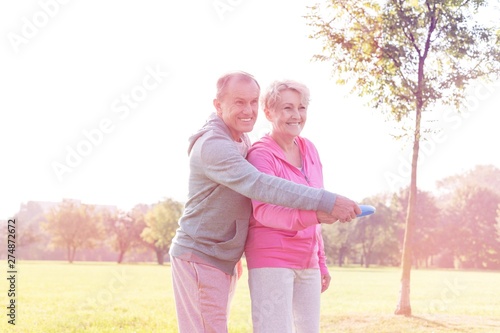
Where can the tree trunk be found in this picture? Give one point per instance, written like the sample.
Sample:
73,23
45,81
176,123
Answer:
68,254
403,307
71,254
342,251
159,256
120,256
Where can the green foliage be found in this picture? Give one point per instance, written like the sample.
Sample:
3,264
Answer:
369,240
31,215
459,227
125,229
405,55
429,233
472,215
376,235
486,176
469,201
73,225
161,223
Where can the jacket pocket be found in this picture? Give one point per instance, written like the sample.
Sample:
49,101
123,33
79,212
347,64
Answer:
232,249
302,241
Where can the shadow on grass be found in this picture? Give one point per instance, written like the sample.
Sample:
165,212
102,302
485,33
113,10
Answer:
394,323
435,323
462,323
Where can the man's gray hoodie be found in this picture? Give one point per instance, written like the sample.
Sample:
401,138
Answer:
214,226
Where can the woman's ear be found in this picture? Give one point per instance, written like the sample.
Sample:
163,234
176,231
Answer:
268,114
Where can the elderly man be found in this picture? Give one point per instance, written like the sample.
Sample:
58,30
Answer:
212,231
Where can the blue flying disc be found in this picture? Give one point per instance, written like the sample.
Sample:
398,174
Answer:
366,210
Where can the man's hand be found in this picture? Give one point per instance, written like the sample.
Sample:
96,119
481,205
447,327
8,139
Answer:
345,209
239,269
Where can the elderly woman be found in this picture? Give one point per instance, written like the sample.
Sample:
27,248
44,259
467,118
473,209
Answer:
284,248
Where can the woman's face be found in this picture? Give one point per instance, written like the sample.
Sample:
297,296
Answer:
289,115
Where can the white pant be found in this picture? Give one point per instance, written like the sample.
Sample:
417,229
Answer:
285,300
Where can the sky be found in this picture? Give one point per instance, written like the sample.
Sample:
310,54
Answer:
99,98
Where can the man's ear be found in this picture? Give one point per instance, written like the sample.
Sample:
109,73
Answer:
217,107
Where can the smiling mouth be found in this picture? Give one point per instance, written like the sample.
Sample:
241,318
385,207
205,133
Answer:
246,120
294,124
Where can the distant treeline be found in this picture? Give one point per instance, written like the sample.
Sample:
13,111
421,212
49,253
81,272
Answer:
458,227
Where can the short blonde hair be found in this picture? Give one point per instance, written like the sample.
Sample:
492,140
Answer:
273,93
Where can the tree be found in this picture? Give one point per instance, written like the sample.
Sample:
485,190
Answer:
497,225
337,242
474,240
376,234
481,176
428,227
29,217
161,223
371,239
486,176
72,226
407,57
126,230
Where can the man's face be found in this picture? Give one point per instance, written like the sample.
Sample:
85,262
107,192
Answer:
238,107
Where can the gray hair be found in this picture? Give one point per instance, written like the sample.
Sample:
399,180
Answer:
223,81
272,94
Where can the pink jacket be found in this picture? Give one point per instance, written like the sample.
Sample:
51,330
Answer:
279,236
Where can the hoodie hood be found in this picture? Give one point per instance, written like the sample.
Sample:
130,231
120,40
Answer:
268,143
213,123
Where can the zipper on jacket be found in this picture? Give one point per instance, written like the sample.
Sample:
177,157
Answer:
304,174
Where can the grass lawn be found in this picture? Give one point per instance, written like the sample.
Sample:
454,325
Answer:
107,297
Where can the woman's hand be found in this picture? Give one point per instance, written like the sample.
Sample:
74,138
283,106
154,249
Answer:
325,218
325,281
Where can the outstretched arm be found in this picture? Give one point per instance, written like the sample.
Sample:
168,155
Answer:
224,165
